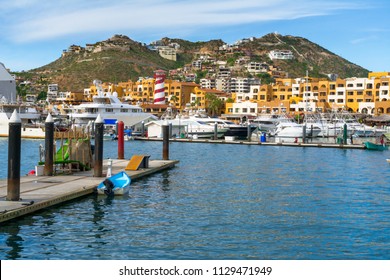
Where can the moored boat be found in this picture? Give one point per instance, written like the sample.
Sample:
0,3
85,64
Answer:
30,119
111,110
118,184
376,147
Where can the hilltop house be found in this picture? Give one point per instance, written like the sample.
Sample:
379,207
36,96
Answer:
7,85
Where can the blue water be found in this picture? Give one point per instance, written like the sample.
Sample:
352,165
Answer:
220,202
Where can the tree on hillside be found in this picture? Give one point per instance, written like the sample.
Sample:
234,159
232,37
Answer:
265,78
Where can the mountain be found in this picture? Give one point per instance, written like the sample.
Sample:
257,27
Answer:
120,59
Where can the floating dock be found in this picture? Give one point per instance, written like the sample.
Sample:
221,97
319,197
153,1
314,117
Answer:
246,142
40,192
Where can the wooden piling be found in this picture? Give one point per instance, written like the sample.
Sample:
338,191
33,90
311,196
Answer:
99,130
14,146
165,132
49,146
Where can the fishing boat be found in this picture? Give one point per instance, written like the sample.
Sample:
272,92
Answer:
118,184
376,147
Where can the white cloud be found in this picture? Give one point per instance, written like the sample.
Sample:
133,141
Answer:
362,40
54,19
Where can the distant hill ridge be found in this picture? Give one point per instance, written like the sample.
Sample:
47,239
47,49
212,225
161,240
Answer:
120,59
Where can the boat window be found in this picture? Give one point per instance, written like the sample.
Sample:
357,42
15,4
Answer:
109,110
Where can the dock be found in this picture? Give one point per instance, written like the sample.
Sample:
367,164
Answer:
40,192
258,143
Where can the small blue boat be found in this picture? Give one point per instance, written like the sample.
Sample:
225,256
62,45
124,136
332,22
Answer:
375,147
118,184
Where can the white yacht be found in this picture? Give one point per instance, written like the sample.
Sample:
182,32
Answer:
292,129
268,123
111,109
185,127
233,130
32,127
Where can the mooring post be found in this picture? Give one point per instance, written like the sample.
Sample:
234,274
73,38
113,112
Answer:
304,133
49,146
215,131
14,145
249,133
121,136
345,134
99,130
142,129
170,130
165,132
311,133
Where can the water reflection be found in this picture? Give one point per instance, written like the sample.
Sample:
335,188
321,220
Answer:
225,202
14,242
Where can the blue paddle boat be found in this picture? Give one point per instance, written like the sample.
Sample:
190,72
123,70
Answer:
118,184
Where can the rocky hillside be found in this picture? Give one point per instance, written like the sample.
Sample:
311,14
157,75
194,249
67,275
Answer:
120,59
307,56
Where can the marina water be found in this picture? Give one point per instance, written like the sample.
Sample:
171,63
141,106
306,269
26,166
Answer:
219,202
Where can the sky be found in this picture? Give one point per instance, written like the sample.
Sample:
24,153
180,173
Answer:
34,33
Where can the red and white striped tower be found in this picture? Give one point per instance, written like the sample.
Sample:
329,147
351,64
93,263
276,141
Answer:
159,87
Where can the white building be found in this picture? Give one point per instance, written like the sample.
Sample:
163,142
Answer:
52,92
281,54
7,85
245,108
207,83
257,67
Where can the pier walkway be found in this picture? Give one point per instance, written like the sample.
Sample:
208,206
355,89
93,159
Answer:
40,192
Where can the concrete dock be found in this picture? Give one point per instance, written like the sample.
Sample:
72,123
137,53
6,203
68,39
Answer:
40,192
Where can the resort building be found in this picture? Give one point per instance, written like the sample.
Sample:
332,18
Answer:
246,97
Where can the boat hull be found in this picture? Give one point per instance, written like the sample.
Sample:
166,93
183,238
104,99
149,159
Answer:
375,147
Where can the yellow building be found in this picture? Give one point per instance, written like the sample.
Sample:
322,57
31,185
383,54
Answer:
370,95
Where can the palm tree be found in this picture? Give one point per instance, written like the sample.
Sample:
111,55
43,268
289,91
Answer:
214,104
174,99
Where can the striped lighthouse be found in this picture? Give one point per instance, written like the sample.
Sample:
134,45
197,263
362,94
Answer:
159,87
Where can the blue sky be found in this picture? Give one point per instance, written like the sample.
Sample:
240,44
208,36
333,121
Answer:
34,32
